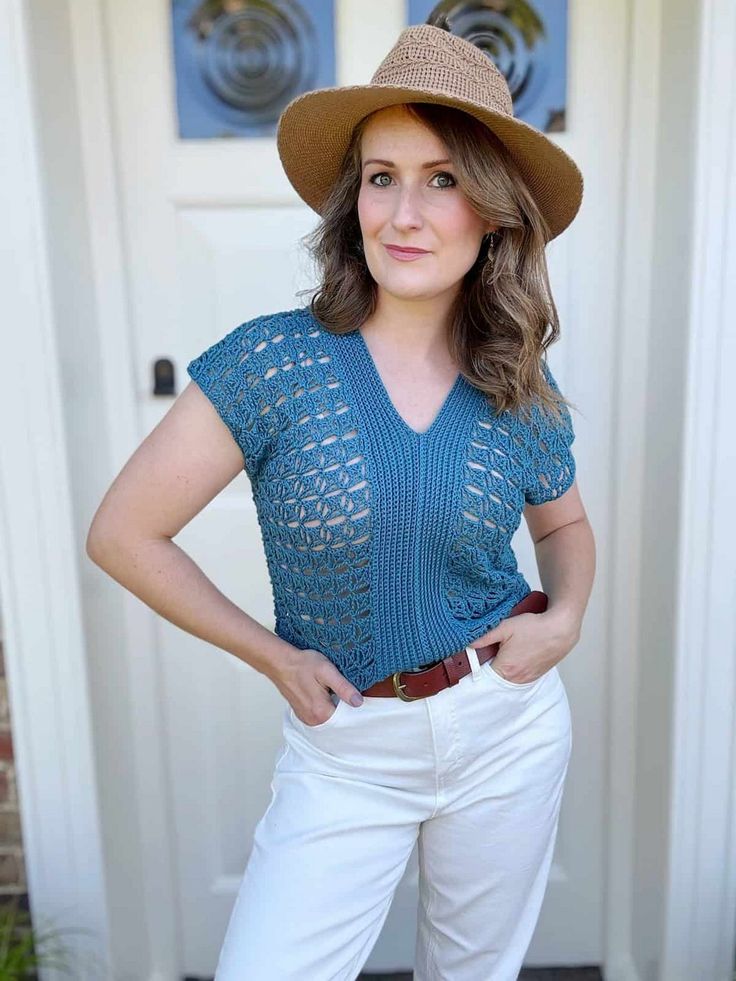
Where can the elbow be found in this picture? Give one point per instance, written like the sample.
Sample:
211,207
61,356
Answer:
95,545
114,552
101,544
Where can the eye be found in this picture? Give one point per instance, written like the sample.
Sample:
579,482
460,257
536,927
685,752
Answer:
444,173
385,173
382,173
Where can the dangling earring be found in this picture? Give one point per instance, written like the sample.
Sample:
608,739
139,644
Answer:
490,257
491,253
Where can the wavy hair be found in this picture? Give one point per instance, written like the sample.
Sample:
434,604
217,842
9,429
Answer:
504,317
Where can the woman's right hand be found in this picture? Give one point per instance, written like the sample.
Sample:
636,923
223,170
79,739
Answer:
305,680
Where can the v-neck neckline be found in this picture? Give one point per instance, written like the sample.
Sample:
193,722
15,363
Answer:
370,398
384,399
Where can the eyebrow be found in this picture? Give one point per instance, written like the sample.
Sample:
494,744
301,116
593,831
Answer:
389,163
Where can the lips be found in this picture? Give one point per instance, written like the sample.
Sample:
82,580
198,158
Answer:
406,251
405,255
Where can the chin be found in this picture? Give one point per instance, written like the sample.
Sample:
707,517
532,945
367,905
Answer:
422,291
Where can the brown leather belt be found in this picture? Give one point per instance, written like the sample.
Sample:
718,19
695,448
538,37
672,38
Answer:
409,685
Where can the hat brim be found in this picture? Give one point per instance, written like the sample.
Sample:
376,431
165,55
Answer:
315,128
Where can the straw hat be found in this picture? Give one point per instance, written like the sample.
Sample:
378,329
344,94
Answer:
426,64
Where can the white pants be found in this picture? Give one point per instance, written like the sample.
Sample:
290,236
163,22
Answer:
474,773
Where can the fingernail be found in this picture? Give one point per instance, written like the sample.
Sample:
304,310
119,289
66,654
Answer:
356,700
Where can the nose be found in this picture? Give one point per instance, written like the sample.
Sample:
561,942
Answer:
407,213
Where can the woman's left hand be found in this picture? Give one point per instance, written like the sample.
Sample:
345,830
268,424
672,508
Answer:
531,644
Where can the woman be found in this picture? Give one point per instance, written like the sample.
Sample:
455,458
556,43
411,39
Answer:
394,431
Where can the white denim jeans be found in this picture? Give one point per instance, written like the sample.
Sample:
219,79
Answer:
474,774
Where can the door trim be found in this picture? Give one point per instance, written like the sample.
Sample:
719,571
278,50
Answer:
629,388
148,805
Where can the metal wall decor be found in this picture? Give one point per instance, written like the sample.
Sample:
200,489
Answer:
239,62
526,40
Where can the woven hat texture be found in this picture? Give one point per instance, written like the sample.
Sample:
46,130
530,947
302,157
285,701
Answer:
426,64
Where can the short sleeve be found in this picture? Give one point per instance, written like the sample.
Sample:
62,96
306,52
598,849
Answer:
230,373
551,461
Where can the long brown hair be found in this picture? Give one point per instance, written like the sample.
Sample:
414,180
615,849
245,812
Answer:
504,317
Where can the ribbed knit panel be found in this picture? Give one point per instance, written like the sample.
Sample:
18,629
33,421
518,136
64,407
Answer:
386,548
417,479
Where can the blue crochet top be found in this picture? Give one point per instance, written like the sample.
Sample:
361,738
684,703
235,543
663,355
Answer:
386,548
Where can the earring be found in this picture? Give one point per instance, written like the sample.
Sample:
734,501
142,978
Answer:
491,252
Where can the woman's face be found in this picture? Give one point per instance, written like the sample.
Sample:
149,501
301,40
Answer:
401,202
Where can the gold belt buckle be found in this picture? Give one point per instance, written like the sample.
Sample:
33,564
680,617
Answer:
398,687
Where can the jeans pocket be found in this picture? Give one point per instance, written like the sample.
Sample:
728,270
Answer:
504,682
339,706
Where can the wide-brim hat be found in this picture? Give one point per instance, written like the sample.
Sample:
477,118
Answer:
426,64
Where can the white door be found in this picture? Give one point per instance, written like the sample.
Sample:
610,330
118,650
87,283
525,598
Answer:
212,231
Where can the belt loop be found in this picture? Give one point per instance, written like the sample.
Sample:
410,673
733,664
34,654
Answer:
474,663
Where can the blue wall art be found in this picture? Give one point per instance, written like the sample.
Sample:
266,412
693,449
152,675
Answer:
239,62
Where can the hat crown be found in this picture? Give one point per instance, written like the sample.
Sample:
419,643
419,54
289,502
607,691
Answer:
431,58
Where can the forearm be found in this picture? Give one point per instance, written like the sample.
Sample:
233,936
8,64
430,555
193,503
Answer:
566,564
167,579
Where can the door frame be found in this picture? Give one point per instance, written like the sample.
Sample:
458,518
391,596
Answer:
118,398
